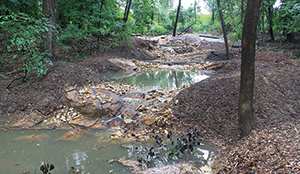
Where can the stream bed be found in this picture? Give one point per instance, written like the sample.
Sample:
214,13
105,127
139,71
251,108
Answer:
22,151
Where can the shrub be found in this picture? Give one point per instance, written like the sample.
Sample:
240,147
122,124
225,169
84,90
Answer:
26,35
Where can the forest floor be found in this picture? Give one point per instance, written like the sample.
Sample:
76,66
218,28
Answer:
209,106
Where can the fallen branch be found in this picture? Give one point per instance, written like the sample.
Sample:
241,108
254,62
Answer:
17,78
212,37
187,28
195,57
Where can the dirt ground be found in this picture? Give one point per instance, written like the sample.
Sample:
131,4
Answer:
209,106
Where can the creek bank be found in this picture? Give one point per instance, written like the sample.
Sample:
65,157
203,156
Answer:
276,99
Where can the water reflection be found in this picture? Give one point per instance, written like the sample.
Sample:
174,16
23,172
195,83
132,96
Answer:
89,154
162,79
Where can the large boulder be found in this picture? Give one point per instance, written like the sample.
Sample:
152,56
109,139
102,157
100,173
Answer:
94,102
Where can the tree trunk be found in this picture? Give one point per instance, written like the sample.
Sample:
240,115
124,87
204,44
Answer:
49,11
270,10
100,16
242,10
195,10
127,10
126,14
263,24
224,30
245,106
290,37
213,14
177,15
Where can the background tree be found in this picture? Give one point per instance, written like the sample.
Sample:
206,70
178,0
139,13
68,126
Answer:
177,15
224,30
245,105
270,17
127,10
49,11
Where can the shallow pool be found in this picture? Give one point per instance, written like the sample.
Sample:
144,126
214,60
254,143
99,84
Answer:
161,79
23,150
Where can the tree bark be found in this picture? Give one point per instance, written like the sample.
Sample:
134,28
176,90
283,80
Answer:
177,15
100,16
270,11
290,37
195,10
263,24
213,14
242,10
224,30
49,11
127,9
245,105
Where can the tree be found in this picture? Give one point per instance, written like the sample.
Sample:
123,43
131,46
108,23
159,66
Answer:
127,10
177,14
245,105
49,11
270,18
224,30
211,5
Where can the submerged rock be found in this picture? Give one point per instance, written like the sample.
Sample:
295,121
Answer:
26,123
88,123
75,134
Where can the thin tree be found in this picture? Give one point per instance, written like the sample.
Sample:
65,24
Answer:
224,30
245,105
49,11
242,10
99,22
177,15
127,10
270,19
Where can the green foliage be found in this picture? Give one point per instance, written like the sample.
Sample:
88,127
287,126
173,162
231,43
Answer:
30,7
203,23
237,35
26,35
142,13
158,29
288,17
81,21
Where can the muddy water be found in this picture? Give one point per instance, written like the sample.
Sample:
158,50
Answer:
23,150
161,79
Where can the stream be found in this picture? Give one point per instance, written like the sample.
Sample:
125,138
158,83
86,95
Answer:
23,150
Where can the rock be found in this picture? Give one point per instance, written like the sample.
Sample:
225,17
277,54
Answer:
161,123
116,121
127,65
116,135
26,123
94,102
128,120
88,123
75,134
162,41
149,120
144,138
34,137
128,112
